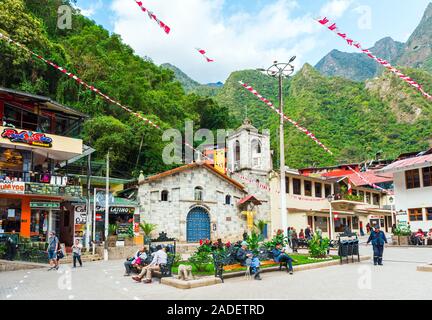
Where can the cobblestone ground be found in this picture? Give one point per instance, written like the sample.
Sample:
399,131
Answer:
397,279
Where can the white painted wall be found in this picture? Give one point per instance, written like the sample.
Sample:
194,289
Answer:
411,199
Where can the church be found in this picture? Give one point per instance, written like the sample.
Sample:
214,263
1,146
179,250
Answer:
197,201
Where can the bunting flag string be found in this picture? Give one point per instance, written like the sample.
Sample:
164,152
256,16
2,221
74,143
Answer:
153,16
204,54
107,98
79,81
333,27
373,185
270,105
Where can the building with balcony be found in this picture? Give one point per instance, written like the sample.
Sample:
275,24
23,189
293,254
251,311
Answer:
38,136
413,189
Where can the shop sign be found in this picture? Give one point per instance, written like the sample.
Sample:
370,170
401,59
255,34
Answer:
12,187
28,137
45,205
80,214
117,210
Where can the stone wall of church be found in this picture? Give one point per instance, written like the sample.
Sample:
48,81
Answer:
170,216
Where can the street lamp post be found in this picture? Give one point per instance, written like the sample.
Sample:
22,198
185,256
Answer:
330,198
281,70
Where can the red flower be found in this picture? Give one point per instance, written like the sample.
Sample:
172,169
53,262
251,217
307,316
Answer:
228,244
201,242
207,241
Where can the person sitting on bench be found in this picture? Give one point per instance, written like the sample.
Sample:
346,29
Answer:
159,257
246,258
280,256
139,257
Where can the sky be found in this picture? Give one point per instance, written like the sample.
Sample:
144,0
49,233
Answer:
249,34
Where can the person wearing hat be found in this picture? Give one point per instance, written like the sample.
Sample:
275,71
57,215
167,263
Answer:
378,239
246,258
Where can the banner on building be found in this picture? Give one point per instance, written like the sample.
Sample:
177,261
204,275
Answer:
13,187
219,160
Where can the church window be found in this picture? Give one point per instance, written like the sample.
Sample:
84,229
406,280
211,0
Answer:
237,151
198,194
164,195
227,199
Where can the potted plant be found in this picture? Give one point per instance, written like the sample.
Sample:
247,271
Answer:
112,235
147,229
401,235
318,247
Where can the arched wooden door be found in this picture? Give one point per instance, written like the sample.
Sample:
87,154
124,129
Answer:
198,225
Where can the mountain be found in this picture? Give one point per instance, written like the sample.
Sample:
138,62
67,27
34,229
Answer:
354,119
418,50
357,66
192,86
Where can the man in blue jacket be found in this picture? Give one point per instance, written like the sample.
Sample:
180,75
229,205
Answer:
279,255
378,239
247,258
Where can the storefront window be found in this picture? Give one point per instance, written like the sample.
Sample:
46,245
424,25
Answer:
10,215
39,224
321,222
339,224
355,223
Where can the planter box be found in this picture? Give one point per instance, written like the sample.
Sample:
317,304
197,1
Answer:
112,240
403,240
129,242
395,240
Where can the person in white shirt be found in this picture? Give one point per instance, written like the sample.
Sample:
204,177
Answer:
160,257
76,252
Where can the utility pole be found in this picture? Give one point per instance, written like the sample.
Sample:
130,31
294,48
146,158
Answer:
281,70
107,207
88,204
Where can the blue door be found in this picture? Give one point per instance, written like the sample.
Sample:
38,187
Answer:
198,225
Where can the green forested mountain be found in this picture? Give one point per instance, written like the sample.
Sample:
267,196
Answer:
106,62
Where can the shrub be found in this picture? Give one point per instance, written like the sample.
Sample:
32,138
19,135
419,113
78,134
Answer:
402,231
200,260
253,241
2,250
318,247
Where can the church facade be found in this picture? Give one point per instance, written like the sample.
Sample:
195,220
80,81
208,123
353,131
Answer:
196,201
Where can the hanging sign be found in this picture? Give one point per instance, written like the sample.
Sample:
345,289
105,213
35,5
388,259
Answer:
12,187
80,215
45,205
28,137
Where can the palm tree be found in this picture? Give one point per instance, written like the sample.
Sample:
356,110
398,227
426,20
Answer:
147,229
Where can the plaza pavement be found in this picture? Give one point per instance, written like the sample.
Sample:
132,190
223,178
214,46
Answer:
397,279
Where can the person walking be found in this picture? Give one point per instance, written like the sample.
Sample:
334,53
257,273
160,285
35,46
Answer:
53,247
378,239
11,246
76,252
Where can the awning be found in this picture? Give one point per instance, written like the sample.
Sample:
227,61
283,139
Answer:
250,198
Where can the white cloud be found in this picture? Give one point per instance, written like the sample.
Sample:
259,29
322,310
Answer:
240,41
91,10
335,8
